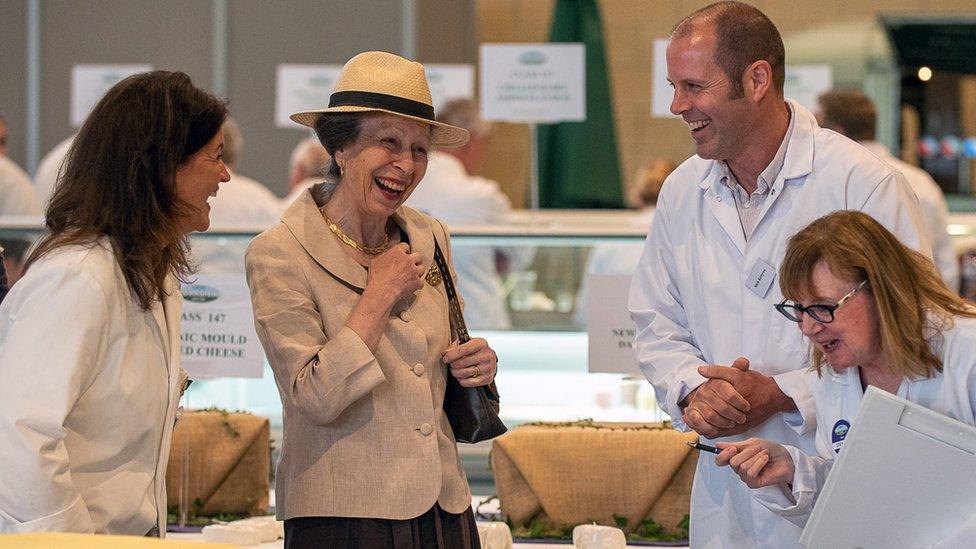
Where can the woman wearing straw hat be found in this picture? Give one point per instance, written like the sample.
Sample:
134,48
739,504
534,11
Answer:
352,313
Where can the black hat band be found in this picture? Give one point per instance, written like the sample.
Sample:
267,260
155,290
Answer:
383,101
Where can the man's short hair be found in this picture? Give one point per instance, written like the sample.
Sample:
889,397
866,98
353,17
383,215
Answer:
850,112
744,35
464,113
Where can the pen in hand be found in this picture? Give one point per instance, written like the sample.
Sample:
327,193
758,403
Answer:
703,447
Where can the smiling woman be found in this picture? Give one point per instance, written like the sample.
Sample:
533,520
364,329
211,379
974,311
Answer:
89,337
197,180
876,313
354,320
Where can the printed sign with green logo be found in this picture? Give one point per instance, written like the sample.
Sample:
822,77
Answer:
535,83
218,337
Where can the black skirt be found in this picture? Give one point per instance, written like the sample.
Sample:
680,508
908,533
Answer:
435,529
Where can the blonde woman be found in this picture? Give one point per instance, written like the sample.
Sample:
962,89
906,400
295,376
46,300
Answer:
876,313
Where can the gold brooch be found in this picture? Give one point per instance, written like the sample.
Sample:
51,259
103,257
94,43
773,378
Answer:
433,276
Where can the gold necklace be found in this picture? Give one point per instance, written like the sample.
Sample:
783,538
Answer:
368,250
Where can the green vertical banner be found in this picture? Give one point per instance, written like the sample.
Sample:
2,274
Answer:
578,163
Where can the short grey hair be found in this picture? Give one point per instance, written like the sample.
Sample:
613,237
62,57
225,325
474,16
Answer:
464,113
233,142
311,156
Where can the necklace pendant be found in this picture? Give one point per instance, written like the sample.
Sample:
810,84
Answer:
433,276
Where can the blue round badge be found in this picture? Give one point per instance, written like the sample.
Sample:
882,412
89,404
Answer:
839,433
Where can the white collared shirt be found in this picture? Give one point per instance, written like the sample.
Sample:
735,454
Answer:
748,205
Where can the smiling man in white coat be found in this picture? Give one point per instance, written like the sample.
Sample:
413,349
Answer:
722,361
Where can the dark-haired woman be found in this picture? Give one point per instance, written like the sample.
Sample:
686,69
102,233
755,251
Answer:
351,309
89,337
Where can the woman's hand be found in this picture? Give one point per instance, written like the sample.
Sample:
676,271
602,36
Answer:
473,363
758,462
397,271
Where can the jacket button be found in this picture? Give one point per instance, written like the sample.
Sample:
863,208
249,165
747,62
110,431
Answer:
419,369
426,429
405,316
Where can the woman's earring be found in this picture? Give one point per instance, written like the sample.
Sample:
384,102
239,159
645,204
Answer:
342,170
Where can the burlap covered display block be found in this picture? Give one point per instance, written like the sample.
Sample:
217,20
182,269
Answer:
574,473
229,462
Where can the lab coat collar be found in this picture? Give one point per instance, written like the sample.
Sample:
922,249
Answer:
168,317
305,222
800,152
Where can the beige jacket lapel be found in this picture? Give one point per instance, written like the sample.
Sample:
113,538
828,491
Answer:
306,224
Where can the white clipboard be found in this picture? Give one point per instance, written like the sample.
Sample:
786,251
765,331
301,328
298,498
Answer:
906,477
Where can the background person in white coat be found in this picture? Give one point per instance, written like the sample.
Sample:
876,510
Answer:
852,114
453,193
620,258
90,336
703,292
49,169
876,314
17,196
245,204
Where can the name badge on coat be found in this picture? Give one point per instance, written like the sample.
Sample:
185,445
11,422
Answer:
761,278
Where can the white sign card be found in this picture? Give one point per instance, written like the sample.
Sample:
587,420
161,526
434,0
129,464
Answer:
90,82
610,329
302,88
805,83
218,337
533,83
449,81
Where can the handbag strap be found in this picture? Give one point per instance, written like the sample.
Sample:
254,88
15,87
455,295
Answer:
452,298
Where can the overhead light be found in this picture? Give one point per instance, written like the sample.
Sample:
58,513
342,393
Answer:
924,74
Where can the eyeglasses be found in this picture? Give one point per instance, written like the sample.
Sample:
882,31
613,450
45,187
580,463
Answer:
823,314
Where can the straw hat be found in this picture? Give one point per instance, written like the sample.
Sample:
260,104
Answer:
376,81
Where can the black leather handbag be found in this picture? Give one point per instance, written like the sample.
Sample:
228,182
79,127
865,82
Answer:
472,411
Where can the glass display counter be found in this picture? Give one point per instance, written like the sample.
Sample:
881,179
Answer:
541,260
542,351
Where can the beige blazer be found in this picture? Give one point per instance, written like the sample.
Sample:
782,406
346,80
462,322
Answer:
364,435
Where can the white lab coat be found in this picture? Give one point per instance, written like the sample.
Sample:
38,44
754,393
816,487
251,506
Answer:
450,194
935,212
689,300
91,384
838,397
